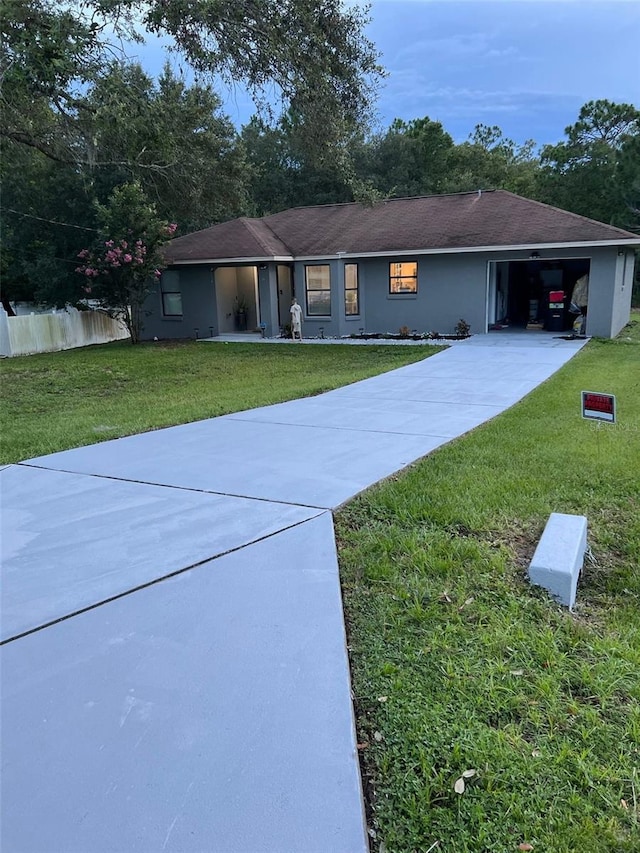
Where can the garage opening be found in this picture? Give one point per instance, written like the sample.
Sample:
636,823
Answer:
537,293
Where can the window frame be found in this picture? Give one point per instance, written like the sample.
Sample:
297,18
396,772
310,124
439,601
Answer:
166,313
169,285
308,290
398,276
355,290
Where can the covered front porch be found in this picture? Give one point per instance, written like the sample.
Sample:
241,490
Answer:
252,299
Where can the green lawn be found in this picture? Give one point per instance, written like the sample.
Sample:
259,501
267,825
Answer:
459,665
66,399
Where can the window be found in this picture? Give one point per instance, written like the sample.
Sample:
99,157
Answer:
351,295
171,295
318,287
403,277
171,304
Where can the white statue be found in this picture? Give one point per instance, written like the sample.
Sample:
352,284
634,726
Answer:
296,320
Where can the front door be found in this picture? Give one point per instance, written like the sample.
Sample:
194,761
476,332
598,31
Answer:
285,294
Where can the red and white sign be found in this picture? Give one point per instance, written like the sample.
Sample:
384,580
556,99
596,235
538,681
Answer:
599,407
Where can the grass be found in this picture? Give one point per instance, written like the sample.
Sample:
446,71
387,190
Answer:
459,664
66,399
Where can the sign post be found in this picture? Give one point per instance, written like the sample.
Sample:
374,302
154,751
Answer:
599,407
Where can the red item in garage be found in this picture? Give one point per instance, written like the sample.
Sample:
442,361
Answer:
556,296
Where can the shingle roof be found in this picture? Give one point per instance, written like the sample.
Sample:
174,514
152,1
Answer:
439,222
238,238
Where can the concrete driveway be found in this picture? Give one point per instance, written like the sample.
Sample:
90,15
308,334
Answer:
174,669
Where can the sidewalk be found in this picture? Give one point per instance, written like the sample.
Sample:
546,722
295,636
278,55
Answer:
174,672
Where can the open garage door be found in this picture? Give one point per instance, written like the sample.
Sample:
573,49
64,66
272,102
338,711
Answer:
526,294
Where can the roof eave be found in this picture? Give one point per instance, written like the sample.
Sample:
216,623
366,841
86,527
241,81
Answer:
509,247
588,244
274,259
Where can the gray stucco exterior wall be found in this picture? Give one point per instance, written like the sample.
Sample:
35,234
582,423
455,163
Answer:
445,283
610,284
195,283
455,286
451,287
625,266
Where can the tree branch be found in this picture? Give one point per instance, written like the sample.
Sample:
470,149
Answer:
26,139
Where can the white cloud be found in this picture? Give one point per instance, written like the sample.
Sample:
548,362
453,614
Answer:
530,65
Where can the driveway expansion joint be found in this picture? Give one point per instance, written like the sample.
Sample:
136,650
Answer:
159,485
157,580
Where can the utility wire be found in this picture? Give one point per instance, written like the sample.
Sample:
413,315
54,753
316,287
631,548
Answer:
50,221
51,257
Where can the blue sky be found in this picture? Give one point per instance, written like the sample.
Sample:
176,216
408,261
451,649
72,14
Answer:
525,65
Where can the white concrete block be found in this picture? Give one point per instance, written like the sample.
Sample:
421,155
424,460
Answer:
559,556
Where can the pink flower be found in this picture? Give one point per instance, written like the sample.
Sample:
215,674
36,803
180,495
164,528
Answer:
172,228
84,253
157,273
109,243
127,259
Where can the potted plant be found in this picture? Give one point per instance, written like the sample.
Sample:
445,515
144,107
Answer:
241,310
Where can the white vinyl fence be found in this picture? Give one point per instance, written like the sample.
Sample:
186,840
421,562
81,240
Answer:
60,330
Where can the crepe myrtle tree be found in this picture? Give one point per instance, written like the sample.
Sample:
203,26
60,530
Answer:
125,263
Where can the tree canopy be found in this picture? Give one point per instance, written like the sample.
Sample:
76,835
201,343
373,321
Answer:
596,171
169,138
79,122
313,55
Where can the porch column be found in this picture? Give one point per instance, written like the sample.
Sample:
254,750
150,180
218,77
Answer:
268,295
338,303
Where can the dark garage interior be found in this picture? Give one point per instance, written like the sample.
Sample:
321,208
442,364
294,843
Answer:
523,290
